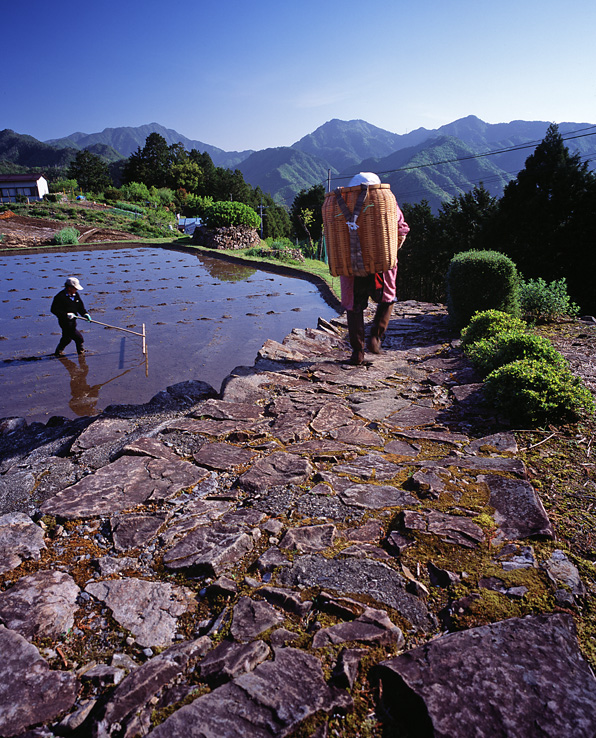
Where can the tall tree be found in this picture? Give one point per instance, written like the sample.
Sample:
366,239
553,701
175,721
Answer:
546,218
151,164
308,202
90,172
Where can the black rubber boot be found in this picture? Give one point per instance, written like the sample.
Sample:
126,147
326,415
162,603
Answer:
356,335
379,326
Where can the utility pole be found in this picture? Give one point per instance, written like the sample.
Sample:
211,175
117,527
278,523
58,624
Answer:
329,180
261,208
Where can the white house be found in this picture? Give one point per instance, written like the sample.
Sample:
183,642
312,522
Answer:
32,186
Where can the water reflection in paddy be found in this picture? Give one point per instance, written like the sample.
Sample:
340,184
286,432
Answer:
203,317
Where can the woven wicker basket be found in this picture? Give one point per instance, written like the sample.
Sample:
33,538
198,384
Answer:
377,230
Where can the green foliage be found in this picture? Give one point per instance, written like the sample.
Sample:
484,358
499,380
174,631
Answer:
306,213
193,206
535,393
68,186
135,192
222,214
489,323
131,207
481,280
90,172
547,220
67,235
543,302
489,354
112,194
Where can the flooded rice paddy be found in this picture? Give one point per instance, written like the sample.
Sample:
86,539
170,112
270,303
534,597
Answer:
203,317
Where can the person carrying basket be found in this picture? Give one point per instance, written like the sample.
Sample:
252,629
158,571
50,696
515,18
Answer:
363,243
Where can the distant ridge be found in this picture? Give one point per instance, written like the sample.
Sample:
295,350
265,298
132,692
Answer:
409,162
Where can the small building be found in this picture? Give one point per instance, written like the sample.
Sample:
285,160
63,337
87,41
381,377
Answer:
31,186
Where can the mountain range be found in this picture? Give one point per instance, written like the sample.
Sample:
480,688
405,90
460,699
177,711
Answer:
423,164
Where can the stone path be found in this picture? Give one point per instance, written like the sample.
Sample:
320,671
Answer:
340,550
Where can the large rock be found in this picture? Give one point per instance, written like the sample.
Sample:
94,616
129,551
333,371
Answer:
269,702
519,513
277,469
361,576
40,605
134,695
20,539
127,482
520,678
148,609
209,550
30,692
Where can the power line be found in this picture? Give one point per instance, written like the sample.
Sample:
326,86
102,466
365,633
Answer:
520,147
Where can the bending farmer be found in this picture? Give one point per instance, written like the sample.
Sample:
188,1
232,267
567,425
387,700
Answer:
381,287
66,306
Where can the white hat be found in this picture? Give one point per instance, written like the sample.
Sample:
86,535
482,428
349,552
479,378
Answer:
73,282
369,178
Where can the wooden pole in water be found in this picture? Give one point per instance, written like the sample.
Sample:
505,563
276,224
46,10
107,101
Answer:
144,341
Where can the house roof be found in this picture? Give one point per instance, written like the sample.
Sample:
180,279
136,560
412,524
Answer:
20,177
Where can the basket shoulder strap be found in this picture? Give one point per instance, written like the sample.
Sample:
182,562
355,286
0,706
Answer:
355,246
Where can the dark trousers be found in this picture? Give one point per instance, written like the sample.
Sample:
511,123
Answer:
70,333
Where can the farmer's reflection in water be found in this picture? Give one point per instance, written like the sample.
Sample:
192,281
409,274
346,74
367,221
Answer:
84,396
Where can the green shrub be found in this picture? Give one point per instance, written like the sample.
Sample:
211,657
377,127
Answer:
481,280
489,323
67,235
537,393
51,197
135,192
128,206
489,354
112,194
544,302
223,214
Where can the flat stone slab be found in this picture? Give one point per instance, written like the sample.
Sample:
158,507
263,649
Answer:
413,416
41,605
228,660
20,539
518,678
127,482
357,435
369,466
359,576
277,469
223,456
134,694
222,410
253,617
330,417
450,528
269,702
401,448
519,513
504,464
150,447
376,497
372,627
309,538
30,692
103,430
148,609
209,550
134,531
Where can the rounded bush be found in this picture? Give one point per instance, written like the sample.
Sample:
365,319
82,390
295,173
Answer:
224,214
543,302
481,280
534,393
489,354
67,235
489,323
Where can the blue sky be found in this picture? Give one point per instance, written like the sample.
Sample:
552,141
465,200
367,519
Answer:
250,75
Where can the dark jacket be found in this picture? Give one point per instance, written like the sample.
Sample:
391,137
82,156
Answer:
63,304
